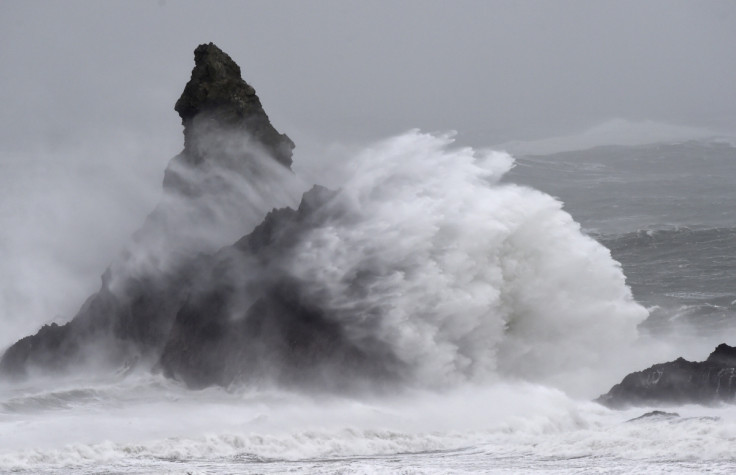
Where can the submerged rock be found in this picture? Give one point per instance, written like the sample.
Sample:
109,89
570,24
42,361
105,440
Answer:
657,415
679,382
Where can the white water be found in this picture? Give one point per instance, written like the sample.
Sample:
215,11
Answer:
145,424
464,278
508,317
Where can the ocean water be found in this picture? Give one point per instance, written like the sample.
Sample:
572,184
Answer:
664,211
515,290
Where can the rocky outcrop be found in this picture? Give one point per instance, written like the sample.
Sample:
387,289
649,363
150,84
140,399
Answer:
230,145
237,315
230,314
679,382
110,329
266,329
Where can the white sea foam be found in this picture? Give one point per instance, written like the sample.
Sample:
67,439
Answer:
149,425
462,277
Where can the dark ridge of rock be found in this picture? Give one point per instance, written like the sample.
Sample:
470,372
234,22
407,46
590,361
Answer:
224,126
678,382
278,222
724,355
109,329
47,348
268,330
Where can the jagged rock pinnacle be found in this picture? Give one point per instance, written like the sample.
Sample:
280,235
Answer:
216,97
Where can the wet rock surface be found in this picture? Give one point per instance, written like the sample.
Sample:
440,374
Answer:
679,382
217,98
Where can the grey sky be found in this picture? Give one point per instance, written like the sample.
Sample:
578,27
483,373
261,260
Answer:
333,70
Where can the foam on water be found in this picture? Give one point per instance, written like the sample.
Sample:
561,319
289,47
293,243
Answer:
147,424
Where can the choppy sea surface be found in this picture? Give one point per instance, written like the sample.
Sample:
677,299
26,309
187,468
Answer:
665,212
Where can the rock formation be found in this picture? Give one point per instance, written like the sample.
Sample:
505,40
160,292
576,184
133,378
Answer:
264,329
218,108
203,311
679,382
230,145
218,98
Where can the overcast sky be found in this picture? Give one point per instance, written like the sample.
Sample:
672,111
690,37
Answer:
339,70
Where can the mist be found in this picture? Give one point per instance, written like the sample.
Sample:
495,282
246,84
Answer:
66,213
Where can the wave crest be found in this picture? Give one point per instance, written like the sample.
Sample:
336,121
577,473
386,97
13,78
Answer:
460,276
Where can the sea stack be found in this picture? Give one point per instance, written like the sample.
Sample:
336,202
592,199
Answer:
217,98
229,145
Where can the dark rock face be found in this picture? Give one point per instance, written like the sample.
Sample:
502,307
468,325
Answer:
224,122
227,134
218,98
679,382
110,329
266,330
